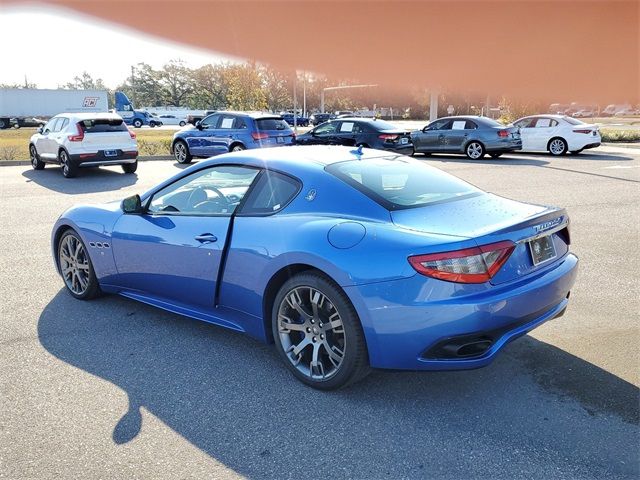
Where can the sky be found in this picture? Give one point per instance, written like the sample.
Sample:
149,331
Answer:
53,45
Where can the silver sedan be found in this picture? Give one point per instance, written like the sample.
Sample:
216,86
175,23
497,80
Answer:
470,135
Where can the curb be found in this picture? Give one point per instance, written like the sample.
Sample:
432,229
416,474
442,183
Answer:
144,158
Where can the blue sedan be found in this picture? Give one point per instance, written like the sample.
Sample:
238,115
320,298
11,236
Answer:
348,259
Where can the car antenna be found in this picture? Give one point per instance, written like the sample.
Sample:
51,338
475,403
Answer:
357,151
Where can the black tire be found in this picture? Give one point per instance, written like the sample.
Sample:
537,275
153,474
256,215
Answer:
557,146
69,168
474,150
181,152
354,364
137,123
93,288
152,125
36,163
182,123
130,167
238,147
495,155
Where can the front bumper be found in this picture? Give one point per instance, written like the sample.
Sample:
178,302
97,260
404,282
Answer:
405,321
99,158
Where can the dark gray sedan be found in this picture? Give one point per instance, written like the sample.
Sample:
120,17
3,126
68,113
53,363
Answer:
470,135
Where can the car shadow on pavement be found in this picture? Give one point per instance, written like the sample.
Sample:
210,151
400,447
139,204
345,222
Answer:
544,410
89,180
512,160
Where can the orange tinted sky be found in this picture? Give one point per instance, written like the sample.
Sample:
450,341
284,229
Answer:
559,50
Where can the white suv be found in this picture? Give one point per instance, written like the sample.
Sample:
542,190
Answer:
76,140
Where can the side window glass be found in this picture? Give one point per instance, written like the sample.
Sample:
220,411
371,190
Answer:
471,125
346,127
210,122
543,123
227,122
446,125
51,125
213,191
272,193
554,123
458,124
240,123
326,128
62,125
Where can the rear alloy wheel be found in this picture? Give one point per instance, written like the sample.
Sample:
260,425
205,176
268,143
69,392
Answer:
137,123
69,169
130,167
557,147
318,334
36,163
237,148
475,150
76,267
181,152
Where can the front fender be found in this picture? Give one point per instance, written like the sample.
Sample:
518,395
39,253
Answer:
94,224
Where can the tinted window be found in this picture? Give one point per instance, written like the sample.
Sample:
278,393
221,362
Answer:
271,124
382,125
526,123
227,122
213,191
51,124
489,122
439,124
398,182
326,128
272,193
100,125
62,125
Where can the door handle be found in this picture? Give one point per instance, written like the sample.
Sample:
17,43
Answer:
206,238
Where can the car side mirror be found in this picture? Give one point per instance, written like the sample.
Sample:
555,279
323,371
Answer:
199,125
132,204
426,129
40,130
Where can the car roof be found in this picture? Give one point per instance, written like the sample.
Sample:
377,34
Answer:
255,115
294,159
545,115
90,115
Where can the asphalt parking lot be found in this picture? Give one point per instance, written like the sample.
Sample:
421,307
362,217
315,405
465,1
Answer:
115,389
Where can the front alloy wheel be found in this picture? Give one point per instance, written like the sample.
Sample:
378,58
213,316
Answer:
36,163
318,333
76,268
181,152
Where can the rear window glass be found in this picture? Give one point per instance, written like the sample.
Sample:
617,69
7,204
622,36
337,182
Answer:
99,125
399,182
382,125
271,124
573,121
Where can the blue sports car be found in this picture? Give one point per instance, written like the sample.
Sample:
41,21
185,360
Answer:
346,258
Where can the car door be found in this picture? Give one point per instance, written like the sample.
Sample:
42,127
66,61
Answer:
542,133
457,134
527,132
431,138
44,142
323,134
347,133
228,131
201,140
172,251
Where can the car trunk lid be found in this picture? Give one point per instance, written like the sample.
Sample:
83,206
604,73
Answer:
487,219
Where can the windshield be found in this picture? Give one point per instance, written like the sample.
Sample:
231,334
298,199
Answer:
399,182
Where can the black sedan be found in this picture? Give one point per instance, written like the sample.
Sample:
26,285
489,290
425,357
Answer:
470,135
300,121
359,132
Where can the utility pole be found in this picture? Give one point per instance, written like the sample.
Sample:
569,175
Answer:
133,86
433,106
304,93
295,102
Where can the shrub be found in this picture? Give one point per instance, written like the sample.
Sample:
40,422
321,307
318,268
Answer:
9,153
610,135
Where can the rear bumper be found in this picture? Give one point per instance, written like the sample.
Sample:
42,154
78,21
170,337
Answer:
407,321
100,159
592,145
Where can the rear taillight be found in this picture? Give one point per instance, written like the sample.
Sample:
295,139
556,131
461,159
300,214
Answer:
388,136
259,135
132,134
470,265
503,133
587,131
79,136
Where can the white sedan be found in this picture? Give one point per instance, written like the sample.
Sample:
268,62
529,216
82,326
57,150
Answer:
173,120
557,134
